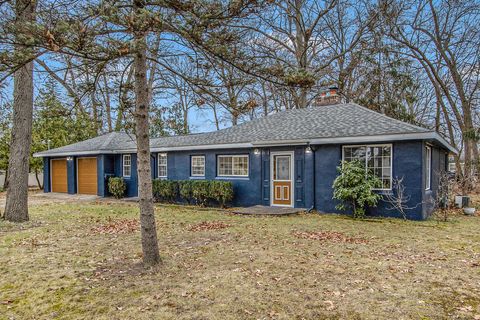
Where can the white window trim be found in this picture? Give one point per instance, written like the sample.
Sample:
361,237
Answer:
428,173
233,156
191,166
123,165
158,165
366,163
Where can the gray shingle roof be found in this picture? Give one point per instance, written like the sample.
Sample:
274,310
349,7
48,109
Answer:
107,143
323,122
340,120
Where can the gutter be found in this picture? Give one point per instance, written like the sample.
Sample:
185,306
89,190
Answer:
271,143
431,135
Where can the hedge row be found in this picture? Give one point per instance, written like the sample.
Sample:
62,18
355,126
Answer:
199,192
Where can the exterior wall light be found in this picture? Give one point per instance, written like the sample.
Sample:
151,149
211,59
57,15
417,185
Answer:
256,151
69,158
308,149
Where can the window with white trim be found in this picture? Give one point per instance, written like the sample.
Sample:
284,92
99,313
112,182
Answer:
232,165
377,159
127,165
162,165
198,166
428,168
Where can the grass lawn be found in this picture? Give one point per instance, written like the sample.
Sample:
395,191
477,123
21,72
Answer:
83,261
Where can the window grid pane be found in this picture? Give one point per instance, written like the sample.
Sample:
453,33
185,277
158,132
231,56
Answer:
377,160
428,167
162,165
233,165
198,166
127,165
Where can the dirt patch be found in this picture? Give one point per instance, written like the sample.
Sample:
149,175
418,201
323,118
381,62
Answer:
209,225
122,226
329,236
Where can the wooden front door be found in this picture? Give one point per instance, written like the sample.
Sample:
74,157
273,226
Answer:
59,175
282,173
87,175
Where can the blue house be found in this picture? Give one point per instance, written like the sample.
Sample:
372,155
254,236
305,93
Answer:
285,159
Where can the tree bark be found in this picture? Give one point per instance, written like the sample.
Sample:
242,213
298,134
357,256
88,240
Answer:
39,184
151,255
108,108
5,182
16,207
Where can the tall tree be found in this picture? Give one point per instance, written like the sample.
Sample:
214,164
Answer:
16,208
151,254
444,38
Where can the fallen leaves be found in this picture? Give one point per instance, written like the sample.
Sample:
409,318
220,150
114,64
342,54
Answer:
121,226
209,225
329,236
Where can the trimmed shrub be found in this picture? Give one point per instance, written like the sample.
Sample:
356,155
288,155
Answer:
221,192
199,192
354,187
186,190
117,187
165,190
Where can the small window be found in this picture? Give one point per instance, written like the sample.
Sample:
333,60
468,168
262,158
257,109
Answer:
377,159
198,166
428,168
162,165
127,165
232,166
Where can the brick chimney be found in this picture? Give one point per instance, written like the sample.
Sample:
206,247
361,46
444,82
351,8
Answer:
328,97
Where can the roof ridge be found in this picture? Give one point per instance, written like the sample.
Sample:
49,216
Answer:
107,141
388,117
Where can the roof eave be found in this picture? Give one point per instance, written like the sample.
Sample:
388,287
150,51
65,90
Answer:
434,136
430,135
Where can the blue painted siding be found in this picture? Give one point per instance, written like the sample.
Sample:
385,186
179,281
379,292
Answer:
132,181
407,163
439,163
314,174
327,158
46,175
71,175
108,166
248,190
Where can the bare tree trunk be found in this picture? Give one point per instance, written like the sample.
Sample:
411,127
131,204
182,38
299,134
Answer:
151,255
215,117
122,102
39,184
108,108
5,182
16,208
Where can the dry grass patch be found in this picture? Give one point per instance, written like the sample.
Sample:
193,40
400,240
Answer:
236,267
329,236
118,226
206,225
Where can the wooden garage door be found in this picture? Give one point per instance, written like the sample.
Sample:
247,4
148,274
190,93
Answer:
87,175
59,175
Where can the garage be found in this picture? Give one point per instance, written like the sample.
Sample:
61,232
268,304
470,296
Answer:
59,175
87,175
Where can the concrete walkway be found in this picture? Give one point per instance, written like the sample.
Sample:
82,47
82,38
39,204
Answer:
265,210
39,197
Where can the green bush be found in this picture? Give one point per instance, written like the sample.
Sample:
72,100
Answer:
186,190
200,192
222,192
117,187
165,190
354,187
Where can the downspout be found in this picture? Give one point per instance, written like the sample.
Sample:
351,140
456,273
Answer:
313,177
